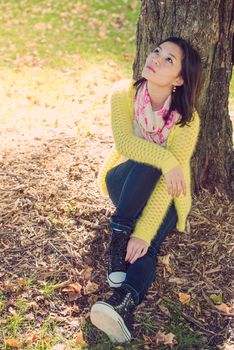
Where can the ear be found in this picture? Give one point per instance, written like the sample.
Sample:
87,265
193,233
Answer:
179,81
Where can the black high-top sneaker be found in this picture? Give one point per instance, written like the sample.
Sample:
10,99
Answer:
115,316
117,265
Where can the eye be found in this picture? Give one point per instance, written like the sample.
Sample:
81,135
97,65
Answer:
156,50
169,60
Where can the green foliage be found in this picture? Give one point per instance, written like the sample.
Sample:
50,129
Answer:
186,337
48,288
60,33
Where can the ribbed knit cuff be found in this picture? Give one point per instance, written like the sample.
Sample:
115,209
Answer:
181,226
145,237
171,163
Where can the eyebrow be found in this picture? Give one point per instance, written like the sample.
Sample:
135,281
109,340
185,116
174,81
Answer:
169,53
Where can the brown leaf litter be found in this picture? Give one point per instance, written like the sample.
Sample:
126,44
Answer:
54,225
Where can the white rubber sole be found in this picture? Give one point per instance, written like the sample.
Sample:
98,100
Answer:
115,279
104,317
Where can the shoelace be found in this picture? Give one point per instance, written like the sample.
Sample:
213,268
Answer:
118,250
121,297
123,303
119,241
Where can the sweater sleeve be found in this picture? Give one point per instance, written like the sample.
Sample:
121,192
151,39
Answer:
185,140
153,213
126,142
182,145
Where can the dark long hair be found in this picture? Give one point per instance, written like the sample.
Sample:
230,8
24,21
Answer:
184,99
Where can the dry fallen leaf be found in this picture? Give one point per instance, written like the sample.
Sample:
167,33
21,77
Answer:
86,273
91,287
102,32
29,317
21,282
80,338
13,343
166,339
59,347
165,260
134,4
184,298
164,309
177,280
31,338
92,298
75,308
12,311
224,308
73,291
73,287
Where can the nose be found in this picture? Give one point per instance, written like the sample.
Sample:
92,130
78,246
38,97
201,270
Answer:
156,60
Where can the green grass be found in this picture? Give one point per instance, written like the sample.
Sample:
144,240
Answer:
61,33
186,337
48,288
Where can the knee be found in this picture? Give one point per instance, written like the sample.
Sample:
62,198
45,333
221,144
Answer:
149,170
152,252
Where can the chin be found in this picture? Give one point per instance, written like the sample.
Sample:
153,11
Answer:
145,75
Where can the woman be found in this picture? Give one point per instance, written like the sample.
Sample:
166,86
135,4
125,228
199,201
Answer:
147,176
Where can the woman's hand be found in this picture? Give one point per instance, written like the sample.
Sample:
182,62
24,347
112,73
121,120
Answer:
175,181
136,249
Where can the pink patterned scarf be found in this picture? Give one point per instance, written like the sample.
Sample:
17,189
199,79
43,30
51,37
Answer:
149,123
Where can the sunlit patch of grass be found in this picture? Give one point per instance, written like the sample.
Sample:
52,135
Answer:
40,99
98,339
185,336
54,32
15,320
2,302
29,282
22,306
14,324
48,288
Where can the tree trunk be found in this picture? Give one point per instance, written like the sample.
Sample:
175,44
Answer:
208,25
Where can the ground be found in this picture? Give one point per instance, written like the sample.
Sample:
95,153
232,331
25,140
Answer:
54,231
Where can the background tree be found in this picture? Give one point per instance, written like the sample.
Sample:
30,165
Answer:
209,27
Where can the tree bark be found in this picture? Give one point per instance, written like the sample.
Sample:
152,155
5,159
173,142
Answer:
209,26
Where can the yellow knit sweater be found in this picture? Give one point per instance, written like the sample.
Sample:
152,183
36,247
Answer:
180,146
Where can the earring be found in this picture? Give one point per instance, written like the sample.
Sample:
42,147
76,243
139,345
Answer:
174,89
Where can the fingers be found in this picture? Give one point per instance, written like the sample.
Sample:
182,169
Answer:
136,255
129,253
184,186
175,182
135,251
175,188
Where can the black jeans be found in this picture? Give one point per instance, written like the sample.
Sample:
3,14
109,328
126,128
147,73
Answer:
130,185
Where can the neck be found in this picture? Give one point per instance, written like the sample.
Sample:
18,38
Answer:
157,95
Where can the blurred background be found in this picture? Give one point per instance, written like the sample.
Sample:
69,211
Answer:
58,60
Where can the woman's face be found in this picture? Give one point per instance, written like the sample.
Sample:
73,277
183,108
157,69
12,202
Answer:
163,65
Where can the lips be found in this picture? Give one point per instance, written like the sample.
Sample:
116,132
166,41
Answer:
151,68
